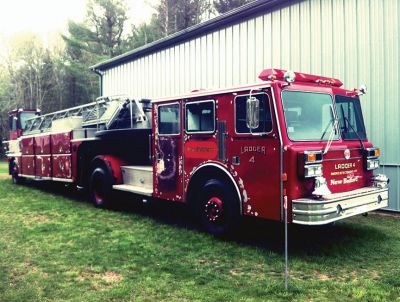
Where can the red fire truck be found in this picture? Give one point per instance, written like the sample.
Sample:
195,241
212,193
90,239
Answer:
294,142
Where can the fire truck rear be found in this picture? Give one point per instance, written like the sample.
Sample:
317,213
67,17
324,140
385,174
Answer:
295,141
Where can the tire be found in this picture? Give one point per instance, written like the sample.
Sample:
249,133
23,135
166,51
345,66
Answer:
15,178
100,187
217,208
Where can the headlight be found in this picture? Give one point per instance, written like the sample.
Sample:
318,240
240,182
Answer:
372,164
312,170
372,158
310,164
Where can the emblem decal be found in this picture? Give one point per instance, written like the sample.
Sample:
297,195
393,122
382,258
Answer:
347,154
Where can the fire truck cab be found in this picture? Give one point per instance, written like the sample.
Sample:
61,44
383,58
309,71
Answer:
294,142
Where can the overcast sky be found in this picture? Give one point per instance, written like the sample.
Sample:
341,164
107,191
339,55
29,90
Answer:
47,16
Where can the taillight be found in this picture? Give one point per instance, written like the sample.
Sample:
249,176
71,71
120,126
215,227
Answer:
310,164
372,158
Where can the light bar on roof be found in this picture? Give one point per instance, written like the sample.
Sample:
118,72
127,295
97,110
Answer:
279,74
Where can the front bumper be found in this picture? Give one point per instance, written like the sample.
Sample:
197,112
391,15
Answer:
338,206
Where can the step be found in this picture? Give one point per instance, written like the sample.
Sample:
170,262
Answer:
138,176
134,189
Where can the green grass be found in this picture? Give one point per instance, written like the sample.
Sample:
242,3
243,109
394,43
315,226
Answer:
56,247
3,166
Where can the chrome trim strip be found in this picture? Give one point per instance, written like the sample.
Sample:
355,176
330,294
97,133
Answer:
341,158
46,178
84,139
14,154
133,189
42,178
38,134
27,176
62,179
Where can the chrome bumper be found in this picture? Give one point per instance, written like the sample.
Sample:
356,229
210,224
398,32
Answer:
338,206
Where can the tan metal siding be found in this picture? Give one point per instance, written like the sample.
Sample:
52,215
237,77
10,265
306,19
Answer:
354,40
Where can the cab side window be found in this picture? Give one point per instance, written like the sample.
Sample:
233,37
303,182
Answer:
265,124
200,117
169,119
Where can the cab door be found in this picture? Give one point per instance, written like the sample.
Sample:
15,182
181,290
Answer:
255,156
168,160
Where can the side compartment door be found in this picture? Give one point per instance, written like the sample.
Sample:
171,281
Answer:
168,160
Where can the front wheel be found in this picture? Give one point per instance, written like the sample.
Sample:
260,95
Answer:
15,178
218,208
100,187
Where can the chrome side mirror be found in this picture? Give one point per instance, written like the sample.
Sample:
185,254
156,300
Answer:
362,90
252,112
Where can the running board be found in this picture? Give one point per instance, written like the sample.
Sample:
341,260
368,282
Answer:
134,189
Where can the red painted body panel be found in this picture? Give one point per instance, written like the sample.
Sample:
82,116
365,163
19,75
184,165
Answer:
61,143
27,146
43,166
200,147
28,165
62,166
42,144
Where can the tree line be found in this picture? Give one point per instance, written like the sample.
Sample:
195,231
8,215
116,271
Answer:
57,76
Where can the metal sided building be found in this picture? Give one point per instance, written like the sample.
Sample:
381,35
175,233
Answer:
356,41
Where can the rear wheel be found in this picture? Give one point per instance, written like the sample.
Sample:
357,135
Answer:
100,187
218,208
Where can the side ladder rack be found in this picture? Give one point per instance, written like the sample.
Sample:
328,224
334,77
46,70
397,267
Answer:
99,114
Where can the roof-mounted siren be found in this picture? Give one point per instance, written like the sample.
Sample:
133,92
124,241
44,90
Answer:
284,75
289,76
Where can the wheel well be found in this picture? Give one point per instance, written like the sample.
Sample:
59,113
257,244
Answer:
87,159
203,174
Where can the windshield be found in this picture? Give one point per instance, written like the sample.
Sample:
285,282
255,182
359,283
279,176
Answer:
350,117
308,116
26,116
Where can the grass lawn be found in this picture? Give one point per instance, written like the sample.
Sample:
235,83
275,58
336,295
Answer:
56,247
3,167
